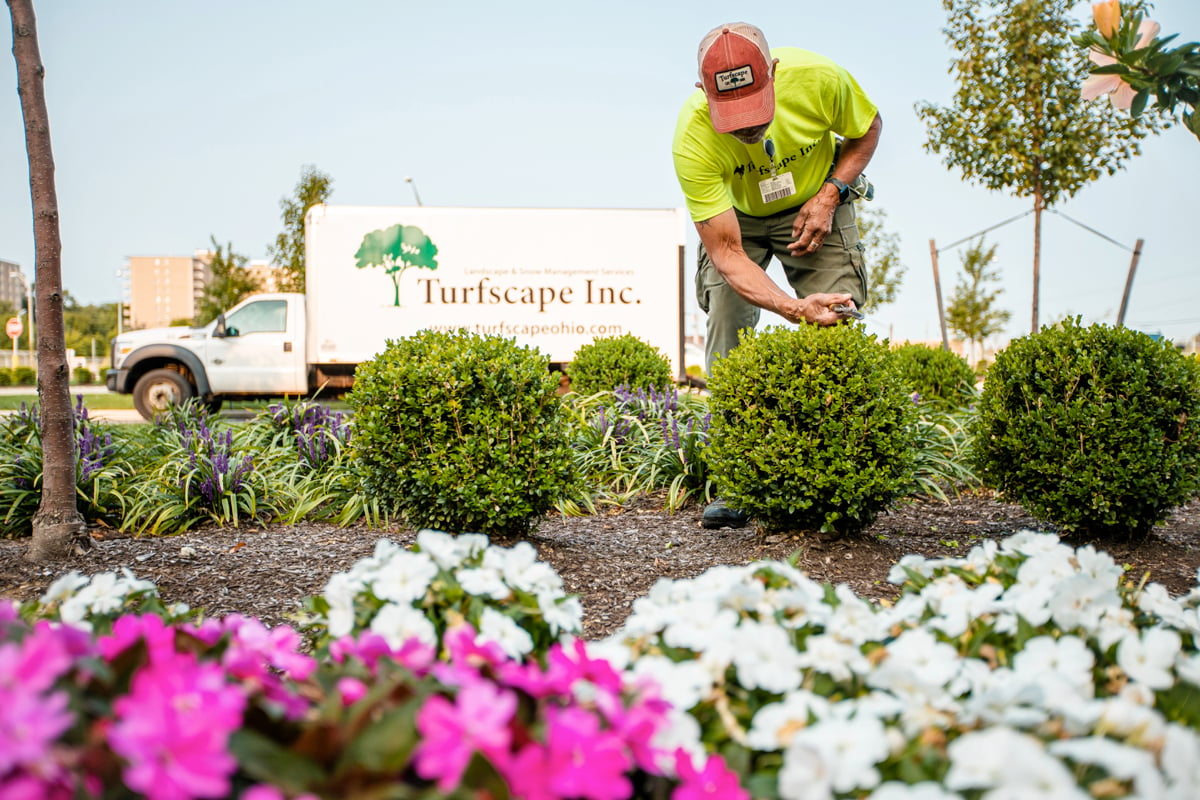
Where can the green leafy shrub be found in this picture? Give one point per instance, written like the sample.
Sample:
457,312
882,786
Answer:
1091,428
612,361
24,376
941,379
6,376
811,428
82,375
462,432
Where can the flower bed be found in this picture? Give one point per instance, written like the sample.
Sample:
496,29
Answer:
1027,649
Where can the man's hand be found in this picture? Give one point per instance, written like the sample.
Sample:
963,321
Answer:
814,221
816,308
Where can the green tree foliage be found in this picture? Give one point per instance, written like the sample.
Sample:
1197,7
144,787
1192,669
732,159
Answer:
396,249
287,253
972,312
229,285
88,327
882,248
1016,122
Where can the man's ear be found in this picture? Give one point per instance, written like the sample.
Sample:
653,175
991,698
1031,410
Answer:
699,85
774,64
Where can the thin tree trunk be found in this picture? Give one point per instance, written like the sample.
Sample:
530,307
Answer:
1037,250
58,528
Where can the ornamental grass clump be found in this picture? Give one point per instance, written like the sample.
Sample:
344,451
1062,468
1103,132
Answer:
612,361
103,467
1092,428
1026,651
462,432
811,428
634,441
938,378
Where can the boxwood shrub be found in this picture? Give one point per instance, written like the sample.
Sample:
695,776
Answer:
461,432
612,361
941,379
1091,428
812,428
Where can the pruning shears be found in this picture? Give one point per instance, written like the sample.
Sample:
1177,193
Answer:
850,311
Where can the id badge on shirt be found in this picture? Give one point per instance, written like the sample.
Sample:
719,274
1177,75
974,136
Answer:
777,187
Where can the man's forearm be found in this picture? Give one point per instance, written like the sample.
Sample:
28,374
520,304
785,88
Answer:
857,153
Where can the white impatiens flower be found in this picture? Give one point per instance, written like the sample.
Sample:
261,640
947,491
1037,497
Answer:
1082,600
1062,667
562,614
1155,599
340,593
1001,697
804,775
399,622
1120,761
854,621
683,683
765,658
449,551
1148,658
916,663
1181,762
63,588
701,626
486,580
825,653
504,631
104,593
776,724
523,571
850,749
405,577
1010,764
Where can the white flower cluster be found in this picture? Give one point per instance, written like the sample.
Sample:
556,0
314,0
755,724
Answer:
78,599
1026,669
506,593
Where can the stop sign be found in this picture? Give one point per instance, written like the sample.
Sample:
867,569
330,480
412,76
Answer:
14,328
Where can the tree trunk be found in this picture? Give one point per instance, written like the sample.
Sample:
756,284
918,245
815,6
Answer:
58,528
1037,250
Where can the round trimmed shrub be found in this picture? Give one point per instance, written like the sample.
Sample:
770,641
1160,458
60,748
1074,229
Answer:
6,376
1091,428
24,376
941,379
82,375
812,428
612,361
462,432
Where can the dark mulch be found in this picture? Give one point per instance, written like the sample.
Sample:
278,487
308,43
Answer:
608,559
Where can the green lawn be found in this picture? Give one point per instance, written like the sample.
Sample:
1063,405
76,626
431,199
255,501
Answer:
11,402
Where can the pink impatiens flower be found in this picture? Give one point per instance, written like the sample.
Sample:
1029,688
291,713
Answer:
714,781
173,730
1120,93
29,724
579,760
477,721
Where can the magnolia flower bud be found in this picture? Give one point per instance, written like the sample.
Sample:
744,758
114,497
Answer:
1107,15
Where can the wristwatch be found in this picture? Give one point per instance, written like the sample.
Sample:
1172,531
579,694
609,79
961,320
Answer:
843,189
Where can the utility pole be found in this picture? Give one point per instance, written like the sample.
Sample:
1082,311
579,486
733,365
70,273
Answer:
937,285
1137,254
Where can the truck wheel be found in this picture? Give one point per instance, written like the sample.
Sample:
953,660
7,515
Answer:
158,389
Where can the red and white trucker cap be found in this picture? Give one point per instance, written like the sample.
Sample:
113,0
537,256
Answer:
735,71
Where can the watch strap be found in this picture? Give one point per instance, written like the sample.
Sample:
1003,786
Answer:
843,189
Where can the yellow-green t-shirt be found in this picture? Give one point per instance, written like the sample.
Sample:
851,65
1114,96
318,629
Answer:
814,99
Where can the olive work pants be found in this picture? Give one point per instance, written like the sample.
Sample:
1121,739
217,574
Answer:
837,267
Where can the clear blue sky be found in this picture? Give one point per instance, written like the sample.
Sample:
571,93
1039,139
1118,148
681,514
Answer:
176,121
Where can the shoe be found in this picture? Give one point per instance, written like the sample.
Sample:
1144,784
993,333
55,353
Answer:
719,515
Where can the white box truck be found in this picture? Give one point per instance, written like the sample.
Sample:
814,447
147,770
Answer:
553,278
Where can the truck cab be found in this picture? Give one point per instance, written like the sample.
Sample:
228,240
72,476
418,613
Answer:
255,349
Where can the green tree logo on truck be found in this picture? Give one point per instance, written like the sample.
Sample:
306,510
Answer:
396,249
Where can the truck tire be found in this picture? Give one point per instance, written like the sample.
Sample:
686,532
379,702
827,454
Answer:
158,389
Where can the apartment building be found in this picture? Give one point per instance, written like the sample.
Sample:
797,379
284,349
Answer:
12,285
165,290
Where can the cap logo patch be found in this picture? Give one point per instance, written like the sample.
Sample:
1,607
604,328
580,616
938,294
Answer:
731,79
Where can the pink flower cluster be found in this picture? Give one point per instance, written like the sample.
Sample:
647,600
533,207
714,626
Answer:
154,708
595,728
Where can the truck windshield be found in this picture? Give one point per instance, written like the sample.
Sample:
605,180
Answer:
258,317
